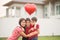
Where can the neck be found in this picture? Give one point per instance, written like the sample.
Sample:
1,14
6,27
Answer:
28,25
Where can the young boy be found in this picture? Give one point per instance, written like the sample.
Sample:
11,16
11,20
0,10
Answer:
27,28
34,27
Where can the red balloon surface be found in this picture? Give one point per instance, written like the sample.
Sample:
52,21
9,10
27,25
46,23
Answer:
30,8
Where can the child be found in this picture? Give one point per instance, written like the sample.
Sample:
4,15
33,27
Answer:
27,28
33,28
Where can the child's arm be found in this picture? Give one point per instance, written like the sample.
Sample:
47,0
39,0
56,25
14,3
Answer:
38,31
37,28
31,29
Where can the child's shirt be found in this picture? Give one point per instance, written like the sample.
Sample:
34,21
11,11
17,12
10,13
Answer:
27,30
37,27
16,33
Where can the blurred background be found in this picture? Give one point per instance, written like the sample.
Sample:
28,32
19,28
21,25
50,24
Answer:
47,13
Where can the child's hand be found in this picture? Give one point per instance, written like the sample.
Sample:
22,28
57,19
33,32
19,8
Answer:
31,29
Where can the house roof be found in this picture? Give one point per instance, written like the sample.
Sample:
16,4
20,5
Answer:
24,1
51,0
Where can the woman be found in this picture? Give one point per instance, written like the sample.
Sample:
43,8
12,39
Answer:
19,31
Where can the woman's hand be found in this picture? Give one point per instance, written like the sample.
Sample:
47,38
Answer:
23,34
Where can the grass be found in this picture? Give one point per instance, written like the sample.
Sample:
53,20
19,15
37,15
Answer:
49,38
41,38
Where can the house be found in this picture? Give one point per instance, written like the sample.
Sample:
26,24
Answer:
45,8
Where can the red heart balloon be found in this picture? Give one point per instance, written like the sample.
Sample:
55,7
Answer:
30,8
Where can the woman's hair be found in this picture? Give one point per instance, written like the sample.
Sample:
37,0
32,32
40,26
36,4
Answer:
20,20
34,19
27,19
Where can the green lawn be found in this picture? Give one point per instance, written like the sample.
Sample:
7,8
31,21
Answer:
48,38
42,38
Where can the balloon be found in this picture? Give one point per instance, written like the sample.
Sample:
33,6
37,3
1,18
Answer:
30,8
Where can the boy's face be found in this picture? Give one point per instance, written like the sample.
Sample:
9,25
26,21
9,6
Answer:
33,22
28,23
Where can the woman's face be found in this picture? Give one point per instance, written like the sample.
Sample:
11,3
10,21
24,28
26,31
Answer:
23,23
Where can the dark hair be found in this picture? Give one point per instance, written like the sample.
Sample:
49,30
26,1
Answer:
20,20
34,19
27,19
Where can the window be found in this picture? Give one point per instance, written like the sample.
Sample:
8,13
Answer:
10,12
45,15
17,12
13,12
57,7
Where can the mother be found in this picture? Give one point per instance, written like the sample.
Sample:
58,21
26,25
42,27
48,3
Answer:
19,31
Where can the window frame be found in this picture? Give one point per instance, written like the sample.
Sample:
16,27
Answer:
57,12
45,15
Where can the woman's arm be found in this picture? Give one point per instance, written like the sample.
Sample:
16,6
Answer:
29,35
33,33
23,34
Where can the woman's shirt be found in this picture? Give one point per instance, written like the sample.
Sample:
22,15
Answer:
16,33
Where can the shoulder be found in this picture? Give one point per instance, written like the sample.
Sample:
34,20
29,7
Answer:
37,24
18,28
